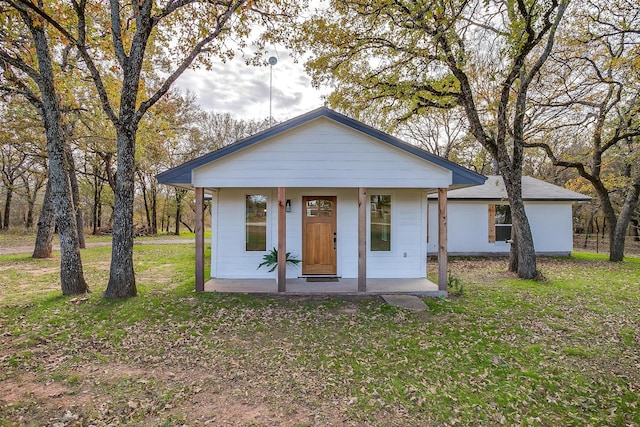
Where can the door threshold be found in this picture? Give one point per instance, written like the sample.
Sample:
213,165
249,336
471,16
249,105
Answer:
322,279
319,276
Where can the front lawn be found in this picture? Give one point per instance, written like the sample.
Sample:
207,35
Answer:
512,352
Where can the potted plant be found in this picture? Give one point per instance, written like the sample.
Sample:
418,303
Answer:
270,259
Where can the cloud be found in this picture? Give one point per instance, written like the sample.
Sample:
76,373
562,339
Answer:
243,90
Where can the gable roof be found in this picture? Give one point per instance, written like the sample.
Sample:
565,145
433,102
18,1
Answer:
181,175
532,190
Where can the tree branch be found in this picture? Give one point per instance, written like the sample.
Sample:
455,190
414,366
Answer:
188,60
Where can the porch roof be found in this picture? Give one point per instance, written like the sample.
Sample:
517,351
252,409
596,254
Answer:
532,190
182,175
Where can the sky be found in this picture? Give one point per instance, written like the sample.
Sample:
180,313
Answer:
243,90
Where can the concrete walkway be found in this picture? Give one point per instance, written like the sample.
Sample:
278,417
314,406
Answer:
405,301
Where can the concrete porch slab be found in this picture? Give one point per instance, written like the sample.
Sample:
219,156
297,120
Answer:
299,286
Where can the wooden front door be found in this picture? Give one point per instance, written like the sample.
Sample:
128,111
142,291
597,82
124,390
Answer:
319,235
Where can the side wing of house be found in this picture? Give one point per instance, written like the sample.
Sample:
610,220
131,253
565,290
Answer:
474,230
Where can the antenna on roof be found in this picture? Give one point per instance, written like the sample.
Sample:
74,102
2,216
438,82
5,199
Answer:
272,61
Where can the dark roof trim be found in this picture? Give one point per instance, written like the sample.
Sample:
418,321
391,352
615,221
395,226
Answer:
506,201
182,174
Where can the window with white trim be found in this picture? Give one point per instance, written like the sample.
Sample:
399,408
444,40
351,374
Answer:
380,216
256,222
502,223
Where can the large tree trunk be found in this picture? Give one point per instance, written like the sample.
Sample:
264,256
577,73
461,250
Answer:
71,274
513,251
618,233
75,192
31,197
617,238
99,213
31,201
7,206
145,199
526,265
179,196
147,208
96,211
154,208
122,281
44,236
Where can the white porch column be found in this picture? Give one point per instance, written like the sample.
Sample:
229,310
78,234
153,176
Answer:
199,230
282,240
442,239
362,239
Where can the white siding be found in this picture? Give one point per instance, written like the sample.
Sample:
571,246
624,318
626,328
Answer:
408,230
321,153
407,258
229,259
468,228
551,226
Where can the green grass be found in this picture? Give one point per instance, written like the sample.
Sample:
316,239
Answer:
561,352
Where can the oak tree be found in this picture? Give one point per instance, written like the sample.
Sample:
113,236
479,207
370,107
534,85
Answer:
402,58
589,99
188,31
28,65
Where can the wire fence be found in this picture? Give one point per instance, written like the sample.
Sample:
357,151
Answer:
600,244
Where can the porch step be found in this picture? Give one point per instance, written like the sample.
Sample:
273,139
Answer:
405,301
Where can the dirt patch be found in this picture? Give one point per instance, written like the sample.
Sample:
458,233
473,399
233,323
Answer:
42,271
161,274
224,409
200,398
14,392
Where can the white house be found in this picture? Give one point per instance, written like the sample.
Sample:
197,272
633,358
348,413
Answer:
480,220
347,199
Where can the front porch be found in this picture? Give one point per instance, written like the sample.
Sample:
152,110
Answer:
300,286
358,283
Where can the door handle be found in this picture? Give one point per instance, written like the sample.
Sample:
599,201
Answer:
334,241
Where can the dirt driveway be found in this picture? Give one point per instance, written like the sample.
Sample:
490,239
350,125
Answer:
22,249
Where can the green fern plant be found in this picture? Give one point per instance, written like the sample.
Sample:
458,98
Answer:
270,259
455,285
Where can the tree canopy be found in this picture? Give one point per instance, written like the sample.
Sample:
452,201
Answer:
401,59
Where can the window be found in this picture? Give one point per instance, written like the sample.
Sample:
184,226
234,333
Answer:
381,223
319,208
256,222
502,223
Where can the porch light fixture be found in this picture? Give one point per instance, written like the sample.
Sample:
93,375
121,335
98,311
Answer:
287,206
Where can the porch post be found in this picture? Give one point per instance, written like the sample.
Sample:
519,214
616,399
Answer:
362,239
199,229
282,240
442,239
